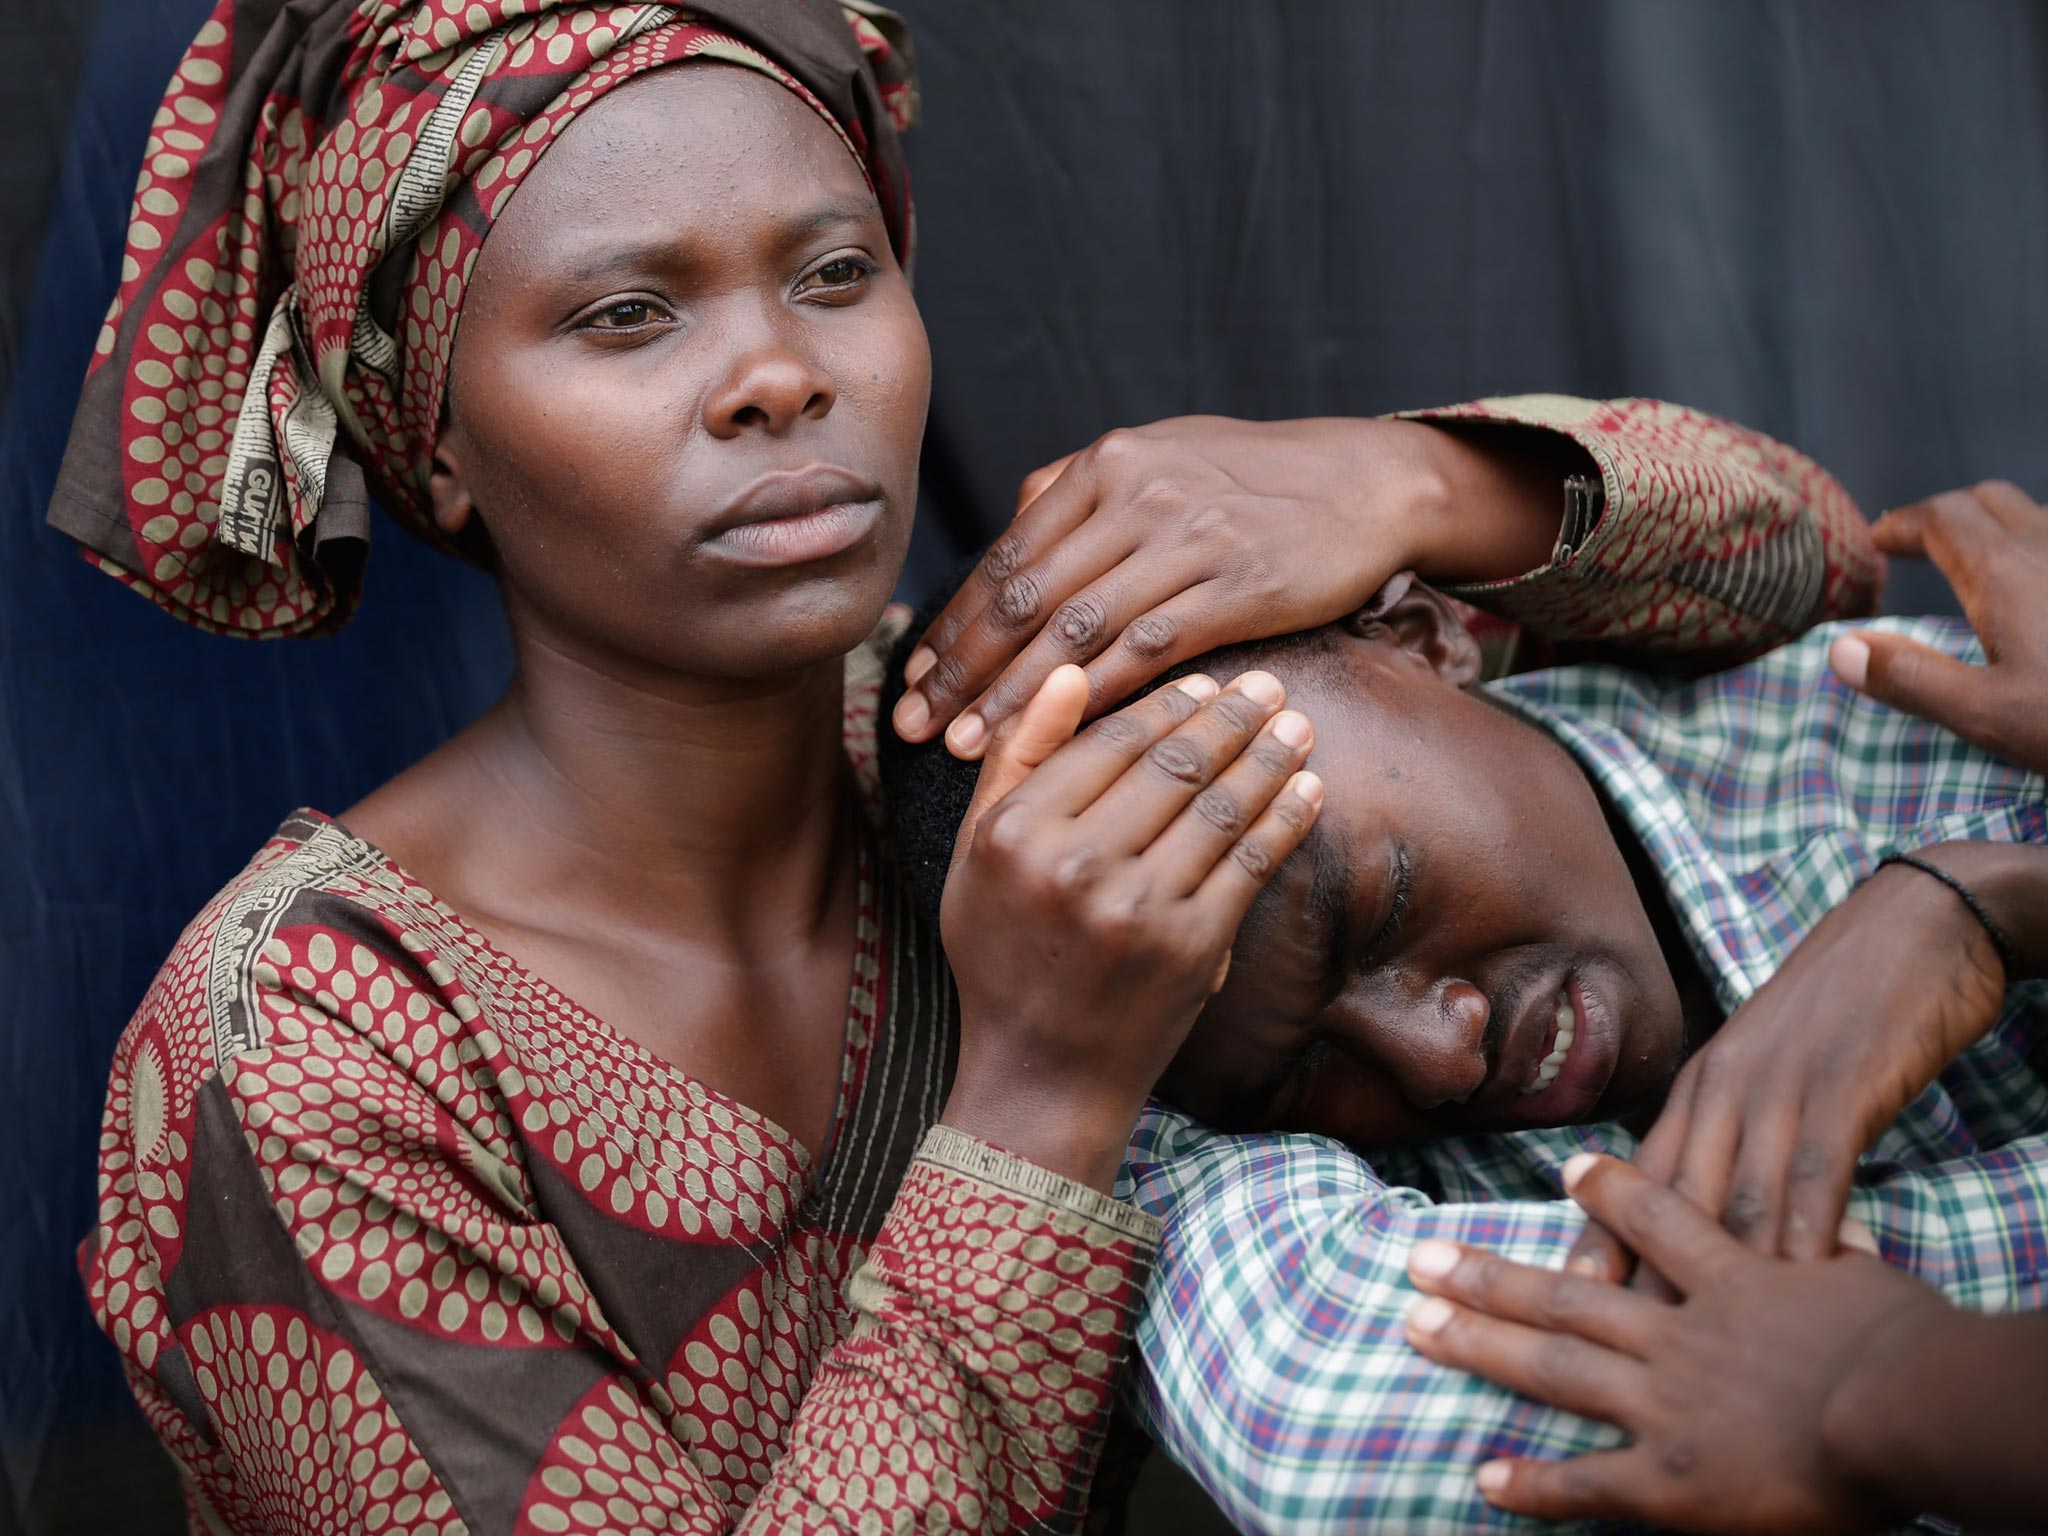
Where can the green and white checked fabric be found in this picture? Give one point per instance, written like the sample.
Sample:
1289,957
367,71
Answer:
1272,1358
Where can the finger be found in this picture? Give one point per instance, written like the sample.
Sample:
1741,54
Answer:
1189,622
1955,530
1598,1255
1086,623
1819,1170
1184,764
1657,1158
1035,484
998,582
1556,1368
1181,857
1916,678
1539,1298
1659,1224
1713,1130
2012,508
1253,859
1753,1209
1047,724
1073,778
1615,1485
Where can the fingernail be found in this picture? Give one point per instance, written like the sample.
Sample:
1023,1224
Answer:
920,663
1429,1315
1195,685
1261,688
1577,1166
1493,1477
1432,1258
965,735
1850,657
1585,1265
1290,729
1308,786
912,714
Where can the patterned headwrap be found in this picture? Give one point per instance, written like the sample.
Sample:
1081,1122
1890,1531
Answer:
316,187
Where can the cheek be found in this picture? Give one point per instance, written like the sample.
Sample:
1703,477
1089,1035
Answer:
884,375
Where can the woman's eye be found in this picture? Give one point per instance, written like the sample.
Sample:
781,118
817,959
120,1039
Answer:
627,315
840,272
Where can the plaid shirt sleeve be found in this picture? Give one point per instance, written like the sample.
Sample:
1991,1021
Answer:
1274,1365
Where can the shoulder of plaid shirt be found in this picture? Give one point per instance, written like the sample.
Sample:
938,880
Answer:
1273,1363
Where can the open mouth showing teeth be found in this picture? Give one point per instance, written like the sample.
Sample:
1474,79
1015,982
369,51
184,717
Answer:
1560,1048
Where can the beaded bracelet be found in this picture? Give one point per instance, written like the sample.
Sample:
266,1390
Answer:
1977,909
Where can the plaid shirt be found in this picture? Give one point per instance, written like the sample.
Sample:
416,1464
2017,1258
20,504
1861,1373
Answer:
1273,1359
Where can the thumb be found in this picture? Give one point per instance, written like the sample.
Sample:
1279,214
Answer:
1910,676
1040,729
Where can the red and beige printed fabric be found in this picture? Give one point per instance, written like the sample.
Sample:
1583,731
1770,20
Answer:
393,1237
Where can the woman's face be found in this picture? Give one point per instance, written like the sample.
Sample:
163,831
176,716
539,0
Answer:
689,385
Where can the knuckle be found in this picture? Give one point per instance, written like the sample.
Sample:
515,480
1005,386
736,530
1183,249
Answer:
1254,858
1078,625
947,680
1811,1162
1003,560
1744,1210
1151,636
1178,760
1078,872
1115,448
1220,809
1679,1458
1120,732
1017,601
1156,493
1237,711
1551,1367
1003,834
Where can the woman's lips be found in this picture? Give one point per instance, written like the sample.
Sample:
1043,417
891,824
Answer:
830,530
794,516
1568,1080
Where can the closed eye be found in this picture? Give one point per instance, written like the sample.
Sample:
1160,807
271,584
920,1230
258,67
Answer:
1382,941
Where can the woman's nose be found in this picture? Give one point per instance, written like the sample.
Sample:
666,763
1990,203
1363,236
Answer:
769,388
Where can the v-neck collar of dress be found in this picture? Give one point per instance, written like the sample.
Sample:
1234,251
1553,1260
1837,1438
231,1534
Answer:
857,1030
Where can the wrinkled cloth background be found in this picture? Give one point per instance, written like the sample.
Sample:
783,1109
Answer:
1827,220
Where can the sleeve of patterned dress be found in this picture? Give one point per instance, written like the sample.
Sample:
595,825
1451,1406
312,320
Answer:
348,1301
1274,1359
1705,536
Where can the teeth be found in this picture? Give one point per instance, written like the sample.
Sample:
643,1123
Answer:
1548,1068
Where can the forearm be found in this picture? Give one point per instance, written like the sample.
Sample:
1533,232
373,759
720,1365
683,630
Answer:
1948,1421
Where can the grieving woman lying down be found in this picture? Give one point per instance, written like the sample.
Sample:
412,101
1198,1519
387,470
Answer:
581,1132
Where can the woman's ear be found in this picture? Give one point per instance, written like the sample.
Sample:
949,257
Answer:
1421,621
454,505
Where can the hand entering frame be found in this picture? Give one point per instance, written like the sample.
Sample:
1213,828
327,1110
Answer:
1733,1399
1764,1126
1097,885
1991,542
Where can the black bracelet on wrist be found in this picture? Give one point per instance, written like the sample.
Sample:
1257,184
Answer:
1989,923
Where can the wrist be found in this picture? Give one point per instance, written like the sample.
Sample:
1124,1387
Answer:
1079,1131
1486,500
2010,882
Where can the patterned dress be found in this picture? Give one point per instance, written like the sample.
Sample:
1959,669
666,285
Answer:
395,1237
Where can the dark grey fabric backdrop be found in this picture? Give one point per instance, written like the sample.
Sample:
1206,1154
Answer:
1828,219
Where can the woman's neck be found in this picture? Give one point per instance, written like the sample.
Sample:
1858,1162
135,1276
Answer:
602,798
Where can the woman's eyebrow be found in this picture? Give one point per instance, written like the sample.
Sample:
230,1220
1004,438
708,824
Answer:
597,264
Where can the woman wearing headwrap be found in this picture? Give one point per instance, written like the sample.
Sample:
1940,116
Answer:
518,1153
